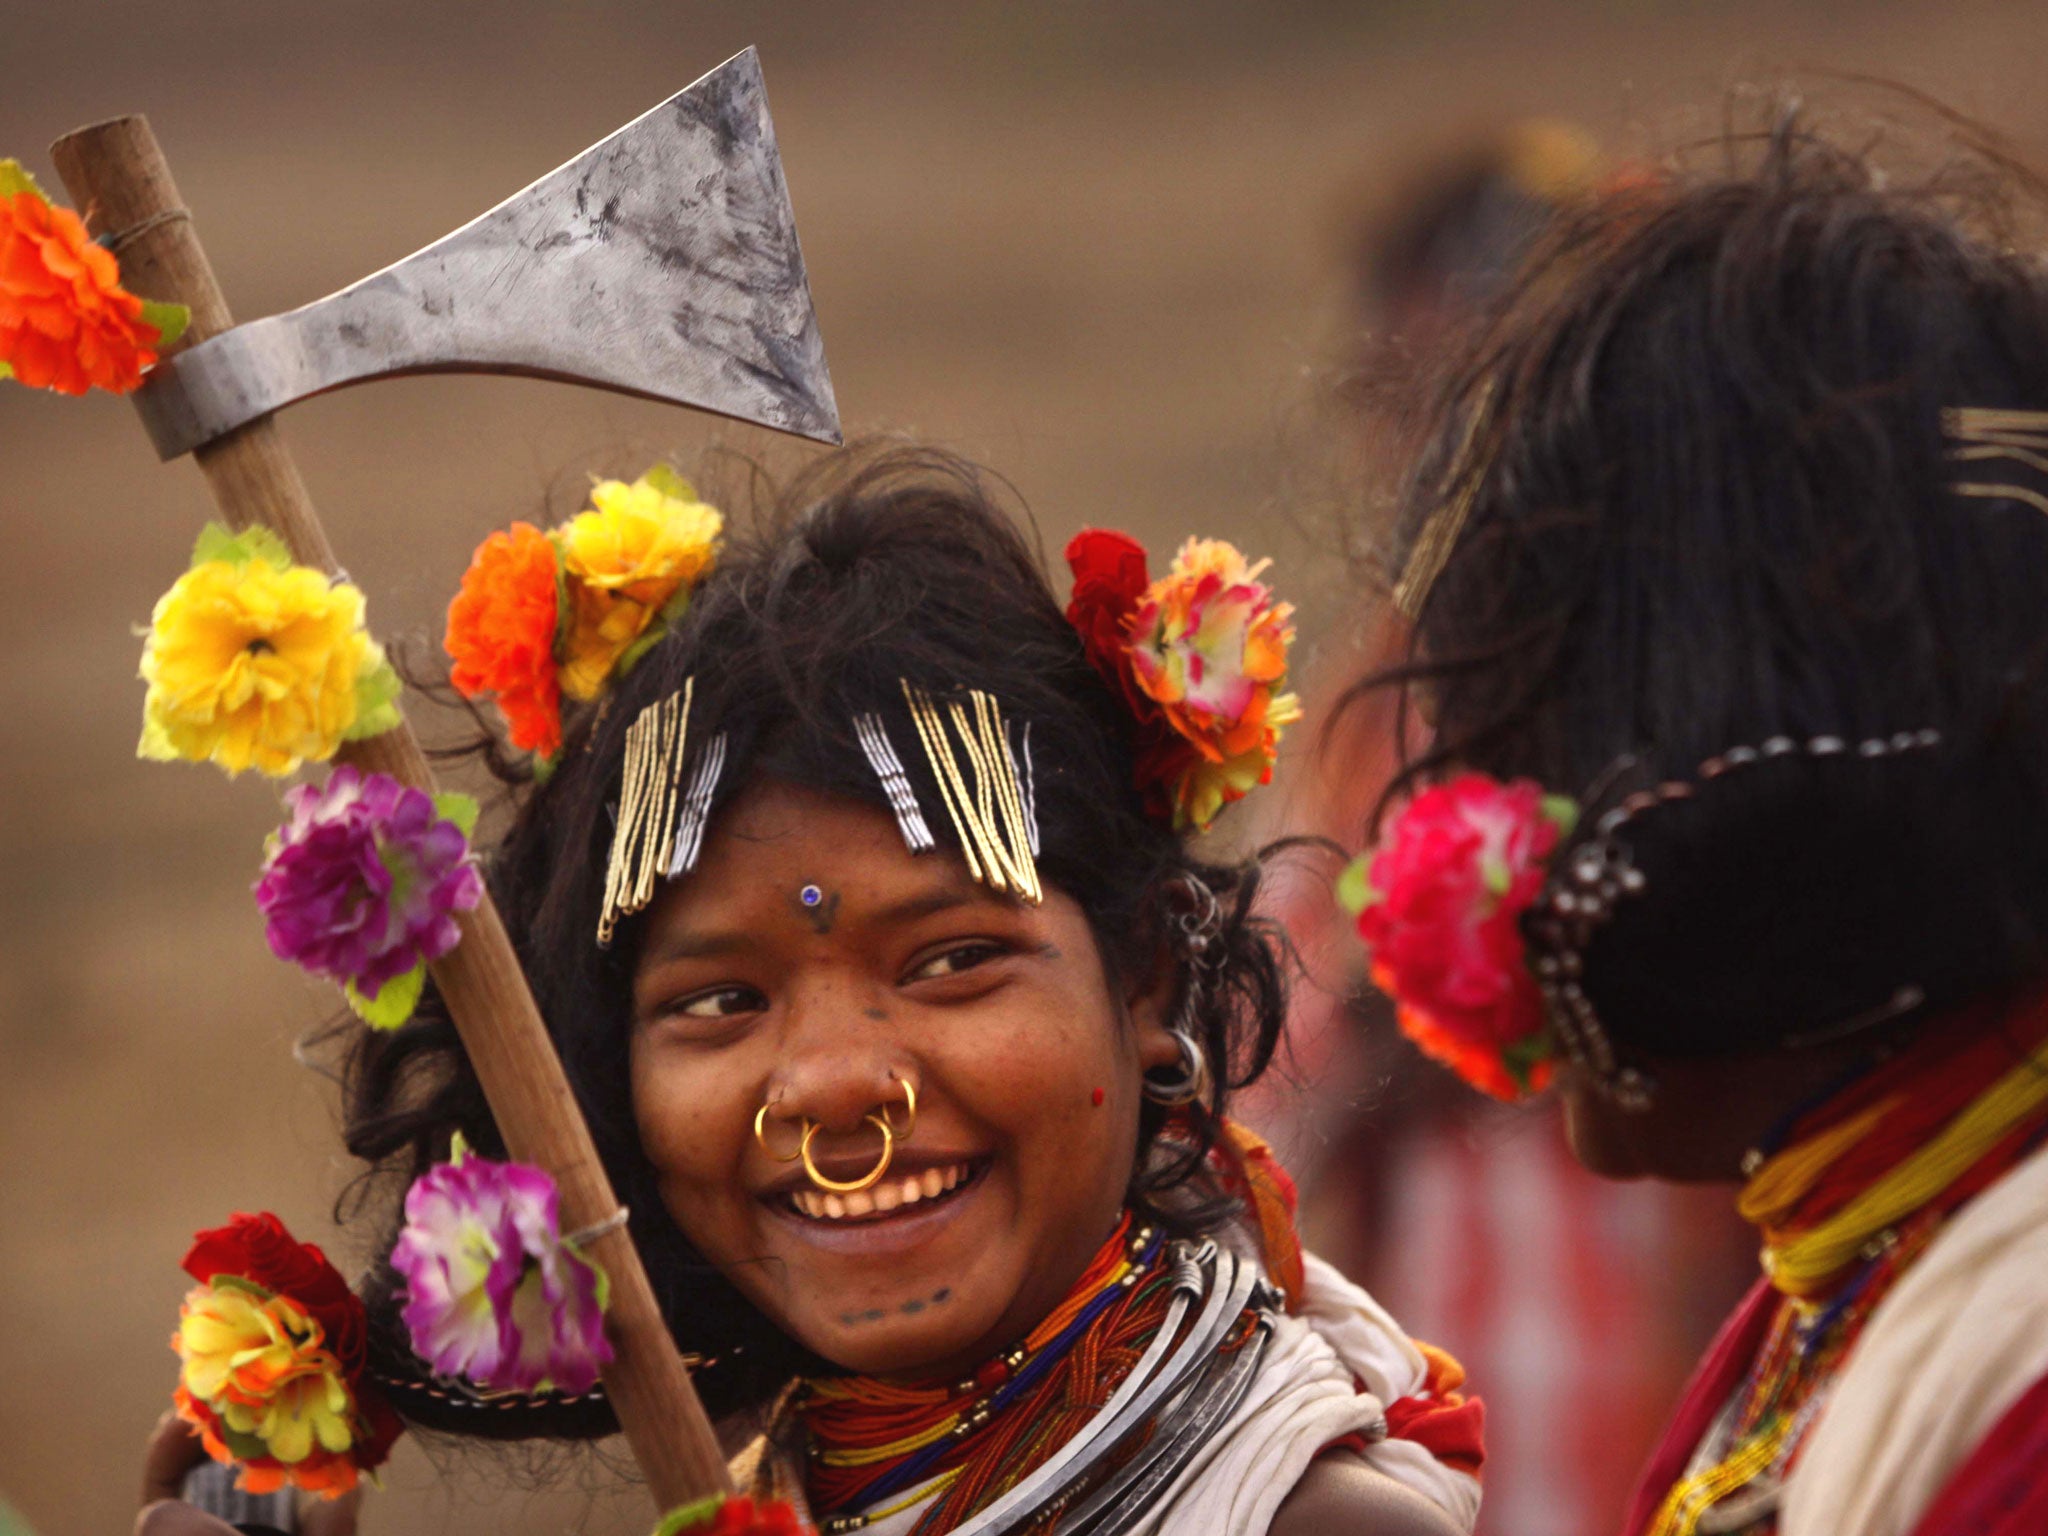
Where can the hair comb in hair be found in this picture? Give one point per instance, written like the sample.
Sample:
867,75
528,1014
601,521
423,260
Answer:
1198,656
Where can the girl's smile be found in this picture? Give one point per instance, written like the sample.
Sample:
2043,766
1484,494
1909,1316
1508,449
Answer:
806,972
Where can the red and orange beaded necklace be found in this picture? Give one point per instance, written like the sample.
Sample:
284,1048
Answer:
878,1447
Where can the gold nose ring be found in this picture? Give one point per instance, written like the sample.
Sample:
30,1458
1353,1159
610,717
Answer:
867,1180
910,1099
761,1135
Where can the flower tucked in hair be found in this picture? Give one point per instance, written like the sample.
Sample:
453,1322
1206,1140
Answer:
501,635
66,323
1199,656
253,661
563,612
492,1292
631,563
733,1514
362,883
1440,904
273,1343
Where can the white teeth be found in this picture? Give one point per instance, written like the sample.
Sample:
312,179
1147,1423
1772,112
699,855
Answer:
928,1185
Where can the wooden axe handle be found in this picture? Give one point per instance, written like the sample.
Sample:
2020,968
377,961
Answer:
118,178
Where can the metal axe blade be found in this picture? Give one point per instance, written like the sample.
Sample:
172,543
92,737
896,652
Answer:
661,262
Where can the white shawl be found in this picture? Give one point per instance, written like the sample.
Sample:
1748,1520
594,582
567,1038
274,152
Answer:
1960,1337
1306,1395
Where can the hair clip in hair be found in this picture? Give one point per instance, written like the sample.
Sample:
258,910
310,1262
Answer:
881,755
1439,534
1983,434
660,826
985,800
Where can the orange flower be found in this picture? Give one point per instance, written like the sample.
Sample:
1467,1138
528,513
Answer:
501,635
1208,644
66,323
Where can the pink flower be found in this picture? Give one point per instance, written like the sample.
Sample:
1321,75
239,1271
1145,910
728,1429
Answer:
1440,903
492,1293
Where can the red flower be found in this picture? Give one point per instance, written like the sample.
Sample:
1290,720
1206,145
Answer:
259,1248
736,1515
1110,578
741,1516
1446,890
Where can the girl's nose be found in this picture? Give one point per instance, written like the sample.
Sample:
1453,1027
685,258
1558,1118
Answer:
839,1063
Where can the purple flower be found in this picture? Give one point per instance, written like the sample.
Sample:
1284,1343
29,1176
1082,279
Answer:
491,1291
363,880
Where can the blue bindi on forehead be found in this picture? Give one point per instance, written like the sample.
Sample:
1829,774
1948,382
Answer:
810,895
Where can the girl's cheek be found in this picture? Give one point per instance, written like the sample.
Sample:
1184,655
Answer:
680,1130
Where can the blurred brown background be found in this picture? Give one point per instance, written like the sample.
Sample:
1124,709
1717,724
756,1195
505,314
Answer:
1098,245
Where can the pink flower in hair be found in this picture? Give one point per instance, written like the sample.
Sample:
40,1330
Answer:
1440,903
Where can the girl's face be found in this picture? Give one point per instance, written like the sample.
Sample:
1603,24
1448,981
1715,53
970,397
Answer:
812,964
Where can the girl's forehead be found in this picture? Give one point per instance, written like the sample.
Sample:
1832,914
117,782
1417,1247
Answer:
780,844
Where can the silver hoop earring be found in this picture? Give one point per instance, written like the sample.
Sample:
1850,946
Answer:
1189,1083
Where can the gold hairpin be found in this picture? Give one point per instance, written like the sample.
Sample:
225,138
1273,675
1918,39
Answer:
988,816
650,798
1984,433
1440,530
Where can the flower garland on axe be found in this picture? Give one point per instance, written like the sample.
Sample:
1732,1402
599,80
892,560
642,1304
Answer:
259,657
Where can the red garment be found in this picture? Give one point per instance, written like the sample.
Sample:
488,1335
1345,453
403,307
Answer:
1720,1372
2002,1490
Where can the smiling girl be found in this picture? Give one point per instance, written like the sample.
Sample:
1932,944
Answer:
864,914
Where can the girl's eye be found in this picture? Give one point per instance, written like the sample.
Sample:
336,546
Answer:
721,1003
951,962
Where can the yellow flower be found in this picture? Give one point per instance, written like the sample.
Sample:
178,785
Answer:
258,1363
232,1337
631,562
254,663
308,1409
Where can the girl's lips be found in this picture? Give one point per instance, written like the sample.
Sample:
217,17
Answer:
884,1228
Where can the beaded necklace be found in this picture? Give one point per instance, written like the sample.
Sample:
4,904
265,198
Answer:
1855,1190
879,1447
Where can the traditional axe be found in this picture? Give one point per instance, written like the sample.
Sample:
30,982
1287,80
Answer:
661,262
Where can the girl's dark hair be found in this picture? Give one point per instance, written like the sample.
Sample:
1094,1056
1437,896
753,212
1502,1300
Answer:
1712,501
872,567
